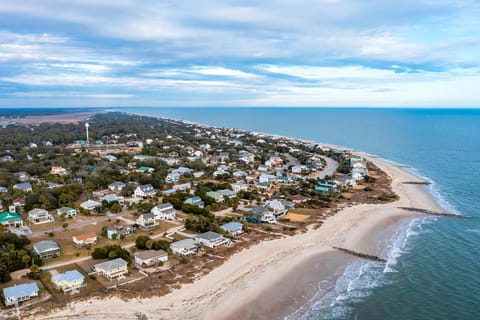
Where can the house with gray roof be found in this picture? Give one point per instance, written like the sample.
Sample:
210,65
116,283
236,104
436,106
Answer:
116,186
20,293
150,257
212,239
46,249
24,186
38,216
145,190
67,212
112,269
164,211
147,220
234,228
196,201
184,247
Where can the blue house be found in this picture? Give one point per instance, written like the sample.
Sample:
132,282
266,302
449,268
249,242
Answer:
19,293
326,186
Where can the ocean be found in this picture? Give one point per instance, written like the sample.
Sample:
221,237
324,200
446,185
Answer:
434,263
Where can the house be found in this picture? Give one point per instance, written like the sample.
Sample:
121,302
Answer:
277,207
7,158
46,249
326,186
85,240
217,196
145,170
38,216
164,211
117,231
3,189
90,204
53,185
123,171
22,176
212,239
69,281
239,174
11,219
239,186
183,186
150,257
113,198
198,174
112,269
265,177
145,190
196,201
233,228
353,160
262,168
172,177
260,214
116,186
184,247
110,158
346,180
20,293
299,169
67,212
24,186
147,220
61,171
19,202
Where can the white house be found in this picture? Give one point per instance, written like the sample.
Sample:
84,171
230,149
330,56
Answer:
164,211
69,281
145,190
277,207
112,198
46,249
20,293
183,186
212,239
112,269
184,247
67,212
85,240
147,220
298,169
116,186
38,216
239,186
150,257
90,204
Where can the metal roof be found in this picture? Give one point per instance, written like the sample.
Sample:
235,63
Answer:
46,245
68,276
232,226
111,265
21,290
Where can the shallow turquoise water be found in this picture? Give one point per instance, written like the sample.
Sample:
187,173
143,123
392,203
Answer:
437,275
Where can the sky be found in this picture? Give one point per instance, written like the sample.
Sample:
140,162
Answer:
114,53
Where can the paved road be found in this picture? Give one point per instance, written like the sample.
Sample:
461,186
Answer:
330,168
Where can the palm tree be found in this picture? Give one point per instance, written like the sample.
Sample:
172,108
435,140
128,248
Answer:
26,259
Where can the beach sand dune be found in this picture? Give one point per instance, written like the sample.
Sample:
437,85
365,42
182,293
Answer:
274,278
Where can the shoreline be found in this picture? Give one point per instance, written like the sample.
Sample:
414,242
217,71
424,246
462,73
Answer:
253,279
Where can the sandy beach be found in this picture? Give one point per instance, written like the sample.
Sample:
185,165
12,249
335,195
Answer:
274,278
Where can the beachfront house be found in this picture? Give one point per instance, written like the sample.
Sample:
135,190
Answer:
145,190
69,281
11,219
195,201
233,228
212,239
46,249
164,211
113,198
112,269
147,221
85,240
279,207
184,247
116,186
260,214
149,258
67,212
19,293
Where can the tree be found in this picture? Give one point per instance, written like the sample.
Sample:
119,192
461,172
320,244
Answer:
149,244
26,260
141,242
65,226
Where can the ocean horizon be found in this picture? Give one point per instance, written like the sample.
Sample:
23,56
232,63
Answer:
430,260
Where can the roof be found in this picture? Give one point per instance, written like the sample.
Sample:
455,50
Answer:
232,226
146,187
46,245
85,236
148,215
111,264
117,184
68,276
209,235
9,216
21,290
24,185
64,209
148,254
186,243
167,205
